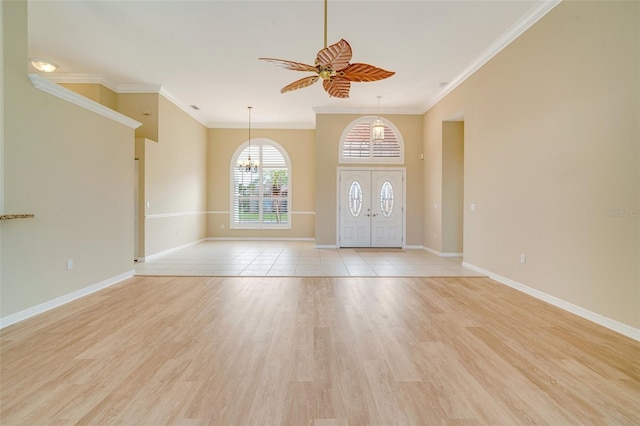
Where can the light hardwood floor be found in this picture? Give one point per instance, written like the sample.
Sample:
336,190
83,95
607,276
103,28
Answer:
317,351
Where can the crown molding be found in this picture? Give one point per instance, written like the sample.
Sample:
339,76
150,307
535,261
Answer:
369,110
526,22
55,89
186,108
121,88
138,88
262,126
80,79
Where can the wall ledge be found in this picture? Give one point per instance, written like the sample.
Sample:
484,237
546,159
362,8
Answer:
614,325
55,89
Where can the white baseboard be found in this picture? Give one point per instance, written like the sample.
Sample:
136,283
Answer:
614,325
59,301
430,250
413,247
441,254
171,250
326,246
451,254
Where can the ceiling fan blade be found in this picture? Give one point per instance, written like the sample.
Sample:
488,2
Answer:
337,87
290,65
365,72
337,55
299,84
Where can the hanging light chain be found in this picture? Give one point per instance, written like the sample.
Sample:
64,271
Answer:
248,166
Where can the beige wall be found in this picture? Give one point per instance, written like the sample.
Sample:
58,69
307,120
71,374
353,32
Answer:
175,181
551,149
143,107
299,145
70,167
95,92
171,150
452,186
329,128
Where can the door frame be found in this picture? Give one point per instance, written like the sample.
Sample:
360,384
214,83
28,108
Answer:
373,169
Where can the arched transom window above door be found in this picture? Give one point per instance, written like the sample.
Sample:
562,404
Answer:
357,144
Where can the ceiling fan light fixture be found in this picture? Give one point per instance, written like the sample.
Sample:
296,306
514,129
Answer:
43,65
333,67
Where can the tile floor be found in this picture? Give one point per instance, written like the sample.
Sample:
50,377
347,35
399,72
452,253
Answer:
299,258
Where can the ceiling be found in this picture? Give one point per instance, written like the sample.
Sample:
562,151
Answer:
205,53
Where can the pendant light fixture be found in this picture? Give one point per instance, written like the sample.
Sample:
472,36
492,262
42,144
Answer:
248,166
377,130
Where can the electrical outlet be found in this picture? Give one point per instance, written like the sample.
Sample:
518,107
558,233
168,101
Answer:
69,264
523,258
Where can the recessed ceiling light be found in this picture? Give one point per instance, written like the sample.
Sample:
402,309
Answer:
195,107
43,65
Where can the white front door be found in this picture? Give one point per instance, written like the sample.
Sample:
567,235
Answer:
371,208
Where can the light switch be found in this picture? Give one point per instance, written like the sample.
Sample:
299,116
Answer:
472,206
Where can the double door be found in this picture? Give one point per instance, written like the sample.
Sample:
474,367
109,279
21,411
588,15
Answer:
371,208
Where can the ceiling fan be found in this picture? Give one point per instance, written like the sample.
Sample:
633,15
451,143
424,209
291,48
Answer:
333,66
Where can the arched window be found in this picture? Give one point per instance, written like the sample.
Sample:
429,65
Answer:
260,199
358,146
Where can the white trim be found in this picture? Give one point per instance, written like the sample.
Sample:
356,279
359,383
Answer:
177,214
124,88
441,254
139,88
534,15
396,168
432,251
81,79
326,246
59,301
171,250
260,142
614,325
55,89
186,108
259,239
228,212
413,247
